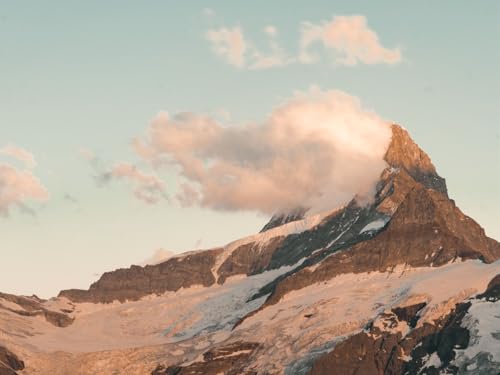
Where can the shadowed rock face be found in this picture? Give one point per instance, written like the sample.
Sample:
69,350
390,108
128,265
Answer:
280,219
249,259
9,362
426,230
135,282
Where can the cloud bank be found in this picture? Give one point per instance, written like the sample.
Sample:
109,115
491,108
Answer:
317,150
19,186
347,39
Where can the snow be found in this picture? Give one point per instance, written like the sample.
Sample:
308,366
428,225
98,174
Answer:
180,326
169,318
374,225
432,360
346,303
483,322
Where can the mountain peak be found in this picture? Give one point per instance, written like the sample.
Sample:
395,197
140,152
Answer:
404,153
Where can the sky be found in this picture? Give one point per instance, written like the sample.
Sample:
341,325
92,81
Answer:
88,90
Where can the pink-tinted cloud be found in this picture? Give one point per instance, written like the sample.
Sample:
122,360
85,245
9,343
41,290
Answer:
18,187
349,38
231,45
317,150
19,154
146,187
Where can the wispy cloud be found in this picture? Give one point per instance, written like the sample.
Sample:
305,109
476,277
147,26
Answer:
147,187
318,150
348,40
232,46
351,40
19,154
19,186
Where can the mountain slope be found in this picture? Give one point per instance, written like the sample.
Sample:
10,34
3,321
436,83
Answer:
403,283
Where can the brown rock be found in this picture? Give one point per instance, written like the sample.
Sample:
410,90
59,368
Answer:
229,359
9,362
135,282
426,230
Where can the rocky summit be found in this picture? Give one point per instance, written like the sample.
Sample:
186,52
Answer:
405,283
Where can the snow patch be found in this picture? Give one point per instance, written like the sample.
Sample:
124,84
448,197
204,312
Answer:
374,225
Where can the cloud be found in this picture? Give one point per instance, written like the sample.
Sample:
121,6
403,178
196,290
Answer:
317,150
19,154
18,186
350,38
148,188
231,45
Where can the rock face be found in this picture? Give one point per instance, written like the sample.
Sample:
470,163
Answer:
135,282
229,360
429,349
426,230
404,153
9,362
32,306
280,219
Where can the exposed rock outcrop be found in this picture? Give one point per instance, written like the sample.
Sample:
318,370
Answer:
404,153
9,362
33,306
426,230
230,359
135,282
386,348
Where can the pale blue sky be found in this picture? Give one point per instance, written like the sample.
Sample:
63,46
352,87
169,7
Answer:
92,75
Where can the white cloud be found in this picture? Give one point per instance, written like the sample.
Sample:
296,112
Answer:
19,154
317,150
350,38
18,186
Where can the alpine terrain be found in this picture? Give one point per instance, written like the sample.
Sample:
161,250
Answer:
404,283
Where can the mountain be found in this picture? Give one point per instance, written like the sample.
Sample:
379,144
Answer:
403,284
